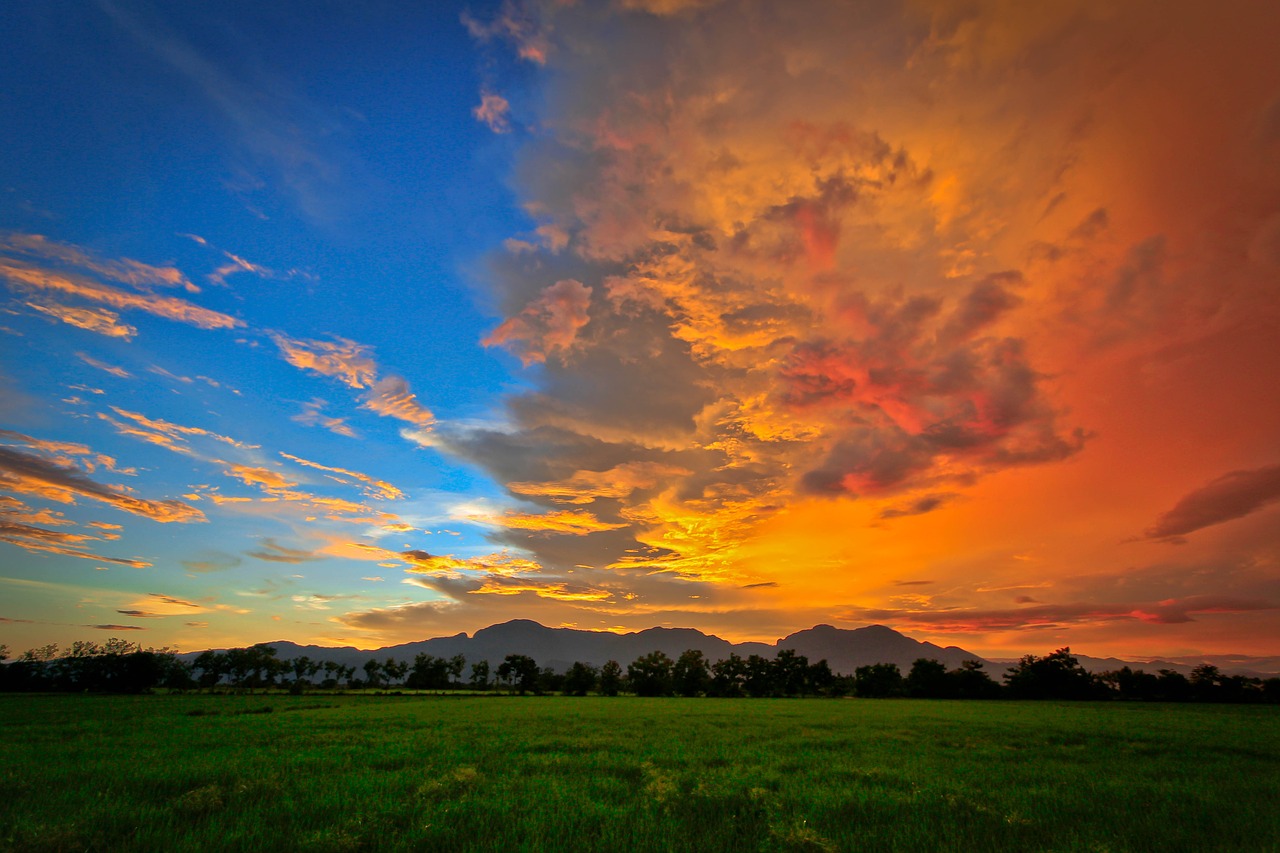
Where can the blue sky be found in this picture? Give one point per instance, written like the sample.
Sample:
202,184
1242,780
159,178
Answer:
316,172
362,323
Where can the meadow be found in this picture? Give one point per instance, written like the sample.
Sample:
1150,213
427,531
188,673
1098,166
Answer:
459,773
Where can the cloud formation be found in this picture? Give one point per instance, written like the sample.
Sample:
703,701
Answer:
27,473
1226,498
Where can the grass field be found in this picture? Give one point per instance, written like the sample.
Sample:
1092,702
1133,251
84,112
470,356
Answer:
542,773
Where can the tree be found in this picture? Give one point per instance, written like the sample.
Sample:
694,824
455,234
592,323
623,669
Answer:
650,675
394,669
690,673
521,670
480,675
822,680
758,679
371,670
580,679
971,681
928,680
303,668
1055,676
727,676
610,678
879,680
789,671
457,663
429,673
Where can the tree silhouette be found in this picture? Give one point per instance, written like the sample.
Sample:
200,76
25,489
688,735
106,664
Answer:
690,673
928,680
580,679
879,680
727,676
610,678
522,670
480,675
1055,676
372,670
650,675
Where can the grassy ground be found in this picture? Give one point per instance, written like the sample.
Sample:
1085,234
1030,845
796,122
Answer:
530,773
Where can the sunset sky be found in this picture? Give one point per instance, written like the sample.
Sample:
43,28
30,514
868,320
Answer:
362,323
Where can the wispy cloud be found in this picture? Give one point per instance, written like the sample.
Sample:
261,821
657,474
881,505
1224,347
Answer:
391,398
312,415
341,359
373,488
99,320
27,473
33,279
1226,498
494,111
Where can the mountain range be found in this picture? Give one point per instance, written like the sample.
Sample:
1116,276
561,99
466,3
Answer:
844,649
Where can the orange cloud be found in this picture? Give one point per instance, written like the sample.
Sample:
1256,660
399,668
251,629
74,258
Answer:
33,279
26,473
502,564
573,522
373,488
345,360
548,325
98,320
125,270
494,111
391,398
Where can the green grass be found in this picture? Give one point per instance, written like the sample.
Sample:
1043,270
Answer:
540,773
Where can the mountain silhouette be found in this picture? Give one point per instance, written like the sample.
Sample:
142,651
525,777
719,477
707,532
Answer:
844,649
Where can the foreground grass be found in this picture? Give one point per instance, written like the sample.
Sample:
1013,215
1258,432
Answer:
525,773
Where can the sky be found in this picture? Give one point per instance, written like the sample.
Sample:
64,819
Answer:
359,324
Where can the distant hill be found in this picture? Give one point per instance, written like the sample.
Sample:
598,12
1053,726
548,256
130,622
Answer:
844,649
558,648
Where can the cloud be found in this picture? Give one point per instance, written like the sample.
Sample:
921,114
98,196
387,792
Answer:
1226,498
158,605
27,473
118,372
61,452
98,320
974,620
390,397
276,553
918,506
36,280
311,415
500,564
371,487
572,522
168,434
548,325
41,540
124,270
494,111
341,359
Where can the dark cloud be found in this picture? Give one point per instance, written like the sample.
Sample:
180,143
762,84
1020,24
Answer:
276,553
919,506
979,620
1231,496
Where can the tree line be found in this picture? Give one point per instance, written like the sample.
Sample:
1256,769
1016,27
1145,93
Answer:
118,666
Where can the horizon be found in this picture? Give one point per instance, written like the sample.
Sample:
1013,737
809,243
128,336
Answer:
355,324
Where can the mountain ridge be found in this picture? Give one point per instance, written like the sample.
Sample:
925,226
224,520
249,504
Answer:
844,649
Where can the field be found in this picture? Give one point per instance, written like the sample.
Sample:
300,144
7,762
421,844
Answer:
559,773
